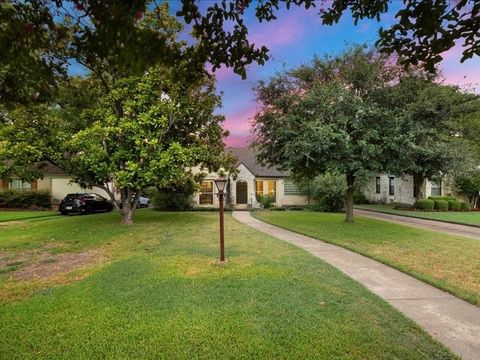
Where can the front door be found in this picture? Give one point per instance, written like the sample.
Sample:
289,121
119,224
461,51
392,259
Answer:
242,192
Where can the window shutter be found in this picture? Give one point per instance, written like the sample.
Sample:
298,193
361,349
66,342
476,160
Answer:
34,185
4,184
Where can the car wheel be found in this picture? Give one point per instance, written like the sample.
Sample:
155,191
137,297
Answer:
64,212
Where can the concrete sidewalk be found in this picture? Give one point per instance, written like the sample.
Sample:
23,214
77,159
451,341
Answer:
450,320
448,228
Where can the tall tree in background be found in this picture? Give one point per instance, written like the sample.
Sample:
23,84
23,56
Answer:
425,139
326,116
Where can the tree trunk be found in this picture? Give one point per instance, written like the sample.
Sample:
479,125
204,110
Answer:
129,204
127,217
350,191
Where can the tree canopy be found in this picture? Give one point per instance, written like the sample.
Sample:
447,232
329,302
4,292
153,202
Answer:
360,112
137,118
425,140
47,34
326,117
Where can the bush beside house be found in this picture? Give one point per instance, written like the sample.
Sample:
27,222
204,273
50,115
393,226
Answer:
442,203
14,199
425,204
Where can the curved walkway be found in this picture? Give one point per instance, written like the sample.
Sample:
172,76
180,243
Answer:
448,228
452,321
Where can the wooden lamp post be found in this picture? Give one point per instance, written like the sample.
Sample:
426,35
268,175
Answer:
220,184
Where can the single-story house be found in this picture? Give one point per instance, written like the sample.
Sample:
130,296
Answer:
386,188
252,180
54,180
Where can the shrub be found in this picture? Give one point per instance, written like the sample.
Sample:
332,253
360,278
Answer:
441,205
178,197
359,198
266,200
454,205
295,207
278,208
24,199
464,206
327,192
445,198
425,204
401,206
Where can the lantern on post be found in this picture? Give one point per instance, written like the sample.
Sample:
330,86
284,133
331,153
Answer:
220,184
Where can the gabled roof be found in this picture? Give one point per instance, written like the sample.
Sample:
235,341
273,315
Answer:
247,157
49,168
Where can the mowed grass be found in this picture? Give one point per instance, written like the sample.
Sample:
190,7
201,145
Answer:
161,295
448,262
467,217
20,215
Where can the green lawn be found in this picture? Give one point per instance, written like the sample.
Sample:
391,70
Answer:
21,215
158,293
448,262
468,218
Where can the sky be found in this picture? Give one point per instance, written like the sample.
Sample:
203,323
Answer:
294,39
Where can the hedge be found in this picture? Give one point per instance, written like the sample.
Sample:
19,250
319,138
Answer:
15,199
454,205
445,198
441,205
464,206
425,204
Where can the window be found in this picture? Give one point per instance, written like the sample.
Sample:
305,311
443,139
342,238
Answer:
436,189
391,185
258,188
290,188
20,185
265,187
377,185
272,187
206,193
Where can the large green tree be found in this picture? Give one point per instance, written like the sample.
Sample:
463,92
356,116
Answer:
149,130
141,116
326,116
425,139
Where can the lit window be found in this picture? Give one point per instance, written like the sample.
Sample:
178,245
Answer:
206,193
272,187
17,184
258,188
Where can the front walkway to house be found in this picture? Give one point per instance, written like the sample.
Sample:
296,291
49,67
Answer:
455,229
452,321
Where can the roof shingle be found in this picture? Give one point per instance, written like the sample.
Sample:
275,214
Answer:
247,157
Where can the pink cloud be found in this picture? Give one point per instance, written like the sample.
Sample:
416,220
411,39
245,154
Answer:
284,31
238,125
465,75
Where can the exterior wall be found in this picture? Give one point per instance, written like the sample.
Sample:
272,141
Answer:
61,186
286,200
45,184
245,175
403,190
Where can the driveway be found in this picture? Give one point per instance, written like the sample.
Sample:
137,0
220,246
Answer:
452,321
454,229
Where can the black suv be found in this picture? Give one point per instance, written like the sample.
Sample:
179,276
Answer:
86,203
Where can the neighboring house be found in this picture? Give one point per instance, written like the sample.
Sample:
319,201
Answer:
385,188
252,180
54,180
